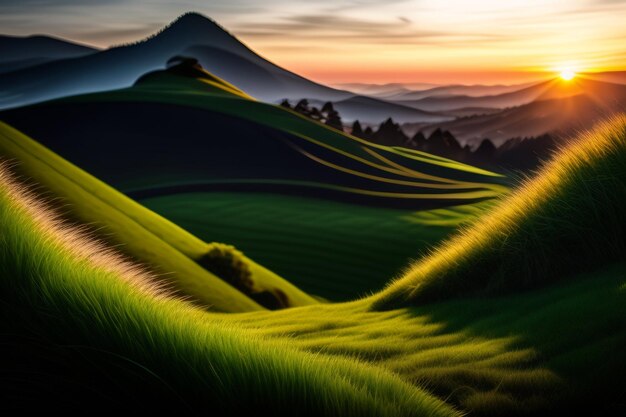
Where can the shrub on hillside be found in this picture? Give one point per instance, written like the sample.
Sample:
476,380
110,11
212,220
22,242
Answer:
229,264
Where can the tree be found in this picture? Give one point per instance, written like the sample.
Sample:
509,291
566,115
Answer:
357,130
390,133
229,264
333,120
315,114
303,107
285,103
328,107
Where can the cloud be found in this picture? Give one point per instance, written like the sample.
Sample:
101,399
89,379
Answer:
323,27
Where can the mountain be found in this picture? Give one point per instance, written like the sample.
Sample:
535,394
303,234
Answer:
458,90
19,52
589,101
374,111
501,101
384,90
191,34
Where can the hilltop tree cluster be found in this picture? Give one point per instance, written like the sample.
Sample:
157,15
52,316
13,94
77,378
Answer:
327,114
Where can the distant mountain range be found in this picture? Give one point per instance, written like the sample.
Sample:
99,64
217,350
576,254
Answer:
385,90
22,52
191,34
562,107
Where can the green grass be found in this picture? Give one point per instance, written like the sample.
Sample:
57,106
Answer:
521,313
568,218
138,232
558,348
317,245
124,344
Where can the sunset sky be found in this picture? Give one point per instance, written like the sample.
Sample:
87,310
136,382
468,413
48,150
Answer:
488,41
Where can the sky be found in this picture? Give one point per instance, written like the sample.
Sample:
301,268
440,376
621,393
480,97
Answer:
346,41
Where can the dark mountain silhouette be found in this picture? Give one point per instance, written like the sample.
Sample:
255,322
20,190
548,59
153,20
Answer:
19,52
191,34
592,101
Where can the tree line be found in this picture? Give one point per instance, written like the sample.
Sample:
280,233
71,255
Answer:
515,154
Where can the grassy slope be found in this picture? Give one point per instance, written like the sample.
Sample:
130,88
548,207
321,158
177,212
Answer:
559,348
140,233
317,245
423,176
558,345
122,344
553,347
569,218
384,173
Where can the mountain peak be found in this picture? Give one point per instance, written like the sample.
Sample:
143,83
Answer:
193,17
195,28
195,21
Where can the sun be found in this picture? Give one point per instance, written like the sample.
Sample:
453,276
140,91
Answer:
567,74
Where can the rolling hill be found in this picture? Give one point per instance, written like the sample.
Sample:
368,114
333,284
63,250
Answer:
94,331
584,187
19,52
82,327
185,143
184,130
140,234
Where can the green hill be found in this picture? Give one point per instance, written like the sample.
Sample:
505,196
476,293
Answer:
520,314
91,328
188,144
568,218
141,234
186,130
82,328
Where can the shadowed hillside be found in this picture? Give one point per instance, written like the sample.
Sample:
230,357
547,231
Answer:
173,133
568,218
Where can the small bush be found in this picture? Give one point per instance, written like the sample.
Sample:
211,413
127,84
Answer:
229,264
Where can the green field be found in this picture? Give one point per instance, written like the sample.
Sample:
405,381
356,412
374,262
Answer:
318,245
139,233
520,312
68,300
554,347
